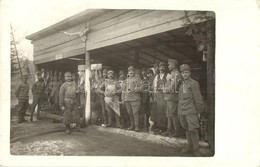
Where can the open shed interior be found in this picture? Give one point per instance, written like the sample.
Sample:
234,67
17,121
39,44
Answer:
142,52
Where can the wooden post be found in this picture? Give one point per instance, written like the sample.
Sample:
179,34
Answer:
211,92
87,88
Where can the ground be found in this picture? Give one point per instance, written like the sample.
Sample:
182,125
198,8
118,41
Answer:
46,138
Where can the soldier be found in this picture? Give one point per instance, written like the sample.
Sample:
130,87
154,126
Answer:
131,97
160,107
112,100
125,122
145,99
55,93
22,94
68,103
171,88
38,89
101,95
189,106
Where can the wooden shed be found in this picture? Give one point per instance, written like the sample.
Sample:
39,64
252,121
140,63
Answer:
119,38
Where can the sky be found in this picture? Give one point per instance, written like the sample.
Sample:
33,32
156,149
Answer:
29,16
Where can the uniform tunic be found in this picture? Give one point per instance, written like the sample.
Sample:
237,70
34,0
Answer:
190,104
67,99
171,93
38,89
22,93
55,91
160,108
111,99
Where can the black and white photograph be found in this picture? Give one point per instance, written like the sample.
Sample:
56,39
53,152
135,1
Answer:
114,82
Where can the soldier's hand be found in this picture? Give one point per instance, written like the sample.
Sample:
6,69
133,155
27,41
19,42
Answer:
62,108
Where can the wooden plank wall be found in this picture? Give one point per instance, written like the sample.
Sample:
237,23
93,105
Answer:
113,28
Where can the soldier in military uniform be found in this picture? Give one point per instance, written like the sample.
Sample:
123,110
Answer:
112,100
68,103
55,93
173,80
145,100
22,94
160,107
125,122
190,104
38,90
132,98
102,97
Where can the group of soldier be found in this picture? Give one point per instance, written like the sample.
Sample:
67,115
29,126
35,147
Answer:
158,99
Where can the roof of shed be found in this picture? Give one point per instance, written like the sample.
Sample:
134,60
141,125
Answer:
68,22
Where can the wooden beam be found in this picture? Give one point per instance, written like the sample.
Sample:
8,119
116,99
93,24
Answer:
147,53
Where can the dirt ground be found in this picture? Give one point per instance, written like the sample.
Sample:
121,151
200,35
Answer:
46,138
43,137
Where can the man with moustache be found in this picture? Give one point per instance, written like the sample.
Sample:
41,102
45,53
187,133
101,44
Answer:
102,97
190,104
38,90
112,100
125,122
145,100
173,80
131,97
22,94
160,108
68,103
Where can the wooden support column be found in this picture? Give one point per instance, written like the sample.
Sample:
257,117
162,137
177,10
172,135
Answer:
87,88
137,58
211,92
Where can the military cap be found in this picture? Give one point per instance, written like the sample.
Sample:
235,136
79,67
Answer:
121,72
67,74
149,70
81,67
110,71
131,68
172,61
184,67
162,64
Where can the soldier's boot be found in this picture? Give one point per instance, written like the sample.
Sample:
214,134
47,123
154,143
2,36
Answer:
31,116
20,118
23,119
146,123
110,122
188,148
78,127
195,142
118,123
168,132
136,121
141,121
177,127
68,129
131,117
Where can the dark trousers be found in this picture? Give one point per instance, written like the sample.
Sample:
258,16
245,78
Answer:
71,113
37,100
21,108
144,115
103,105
